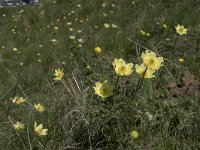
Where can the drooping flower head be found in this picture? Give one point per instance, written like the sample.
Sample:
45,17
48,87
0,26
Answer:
18,126
149,73
121,68
59,74
39,130
151,61
181,30
103,89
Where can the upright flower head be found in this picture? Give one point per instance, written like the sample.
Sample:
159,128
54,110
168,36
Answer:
151,61
39,130
15,49
53,40
181,30
59,74
106,25
121,68
38,107
18,126
134,134
103,89
143,69
18,100
98,50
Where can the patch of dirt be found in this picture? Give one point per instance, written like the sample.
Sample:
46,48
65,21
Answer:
188,86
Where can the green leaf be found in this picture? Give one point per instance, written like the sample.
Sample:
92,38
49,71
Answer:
147,90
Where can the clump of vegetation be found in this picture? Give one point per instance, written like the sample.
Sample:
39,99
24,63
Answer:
100,74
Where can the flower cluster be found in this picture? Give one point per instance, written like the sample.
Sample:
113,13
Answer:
20,126
151,63
18,100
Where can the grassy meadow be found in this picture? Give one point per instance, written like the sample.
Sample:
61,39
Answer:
82,38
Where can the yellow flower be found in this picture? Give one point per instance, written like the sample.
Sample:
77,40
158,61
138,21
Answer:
79,31
39,130
103,89
105,15
181,30
39,107
121,68
18,100
98,50
18,125
40,45
134,134
181,60
148,34
80,40
114,26
164,26
81,21
71,29
55,28
15,49
104,5
59,74
69,23
141,70
151,61
142,32
106,25
72,37
53,40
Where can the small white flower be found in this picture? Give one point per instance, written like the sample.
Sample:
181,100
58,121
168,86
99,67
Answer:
150,117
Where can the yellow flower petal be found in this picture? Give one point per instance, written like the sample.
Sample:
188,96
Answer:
151,61
181,30
143,69
103,89
121,68
134,134
59,74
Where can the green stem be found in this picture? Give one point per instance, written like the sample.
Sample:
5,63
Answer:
116,81
139,84
175,41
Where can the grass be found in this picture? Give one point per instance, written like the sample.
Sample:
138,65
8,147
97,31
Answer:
75,117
